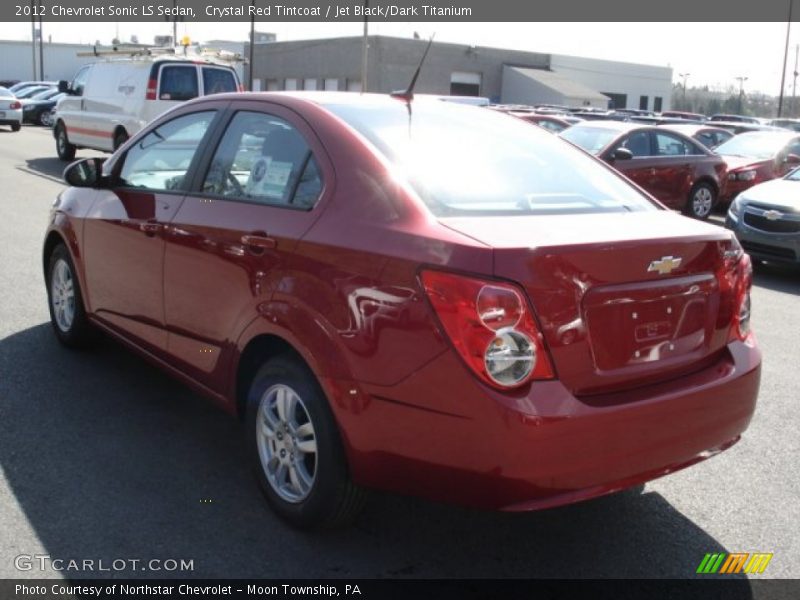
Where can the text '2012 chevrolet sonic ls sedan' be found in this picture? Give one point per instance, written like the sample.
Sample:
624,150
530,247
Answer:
409,295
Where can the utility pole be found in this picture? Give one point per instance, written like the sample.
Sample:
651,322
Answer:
364,50
33,40
174,23
794,84
685,76
741,81
250,49
41,44
785,56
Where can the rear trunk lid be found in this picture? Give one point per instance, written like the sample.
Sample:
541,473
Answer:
623,300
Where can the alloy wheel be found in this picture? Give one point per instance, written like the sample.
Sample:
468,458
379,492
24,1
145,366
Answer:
62,295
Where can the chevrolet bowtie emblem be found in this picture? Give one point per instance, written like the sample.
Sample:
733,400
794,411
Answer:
772,215
666,264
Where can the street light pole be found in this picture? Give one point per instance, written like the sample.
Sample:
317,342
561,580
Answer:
250,49
785,56
33,40
685,76
365,50
741,81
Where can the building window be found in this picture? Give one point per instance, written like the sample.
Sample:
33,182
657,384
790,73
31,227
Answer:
331,84
657,103
465,84
290,84
310,84
273,85
643,100
353,85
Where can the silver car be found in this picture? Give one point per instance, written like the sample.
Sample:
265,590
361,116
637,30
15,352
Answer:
766,219
10,110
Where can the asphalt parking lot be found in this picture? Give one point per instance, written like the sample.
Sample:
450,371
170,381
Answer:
104,457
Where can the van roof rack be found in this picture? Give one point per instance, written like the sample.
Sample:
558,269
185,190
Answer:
134,51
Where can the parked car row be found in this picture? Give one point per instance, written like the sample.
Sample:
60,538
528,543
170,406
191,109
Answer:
27,102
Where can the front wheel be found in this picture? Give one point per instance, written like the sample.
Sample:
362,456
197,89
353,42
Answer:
66,151
67,313
295,448
702,198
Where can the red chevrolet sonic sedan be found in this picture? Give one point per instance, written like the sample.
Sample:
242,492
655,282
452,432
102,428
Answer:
409,295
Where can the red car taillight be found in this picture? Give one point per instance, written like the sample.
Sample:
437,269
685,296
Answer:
737,278
491,326
15,106
151,89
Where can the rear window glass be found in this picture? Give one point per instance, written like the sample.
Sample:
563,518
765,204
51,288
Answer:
591,139
464,160
217,81
178,83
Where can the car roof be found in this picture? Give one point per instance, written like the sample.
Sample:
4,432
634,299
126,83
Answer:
691,128
620,126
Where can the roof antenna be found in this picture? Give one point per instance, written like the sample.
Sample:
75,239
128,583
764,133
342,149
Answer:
408,93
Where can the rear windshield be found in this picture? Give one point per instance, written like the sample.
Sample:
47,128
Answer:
464,160
217,81
178,82
754,145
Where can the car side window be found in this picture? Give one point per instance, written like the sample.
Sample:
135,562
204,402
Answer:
178,82
707,139
264,159
638,143
80,79
161,159
670,145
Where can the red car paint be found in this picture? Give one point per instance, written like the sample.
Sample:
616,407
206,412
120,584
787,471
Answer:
649,374
669,178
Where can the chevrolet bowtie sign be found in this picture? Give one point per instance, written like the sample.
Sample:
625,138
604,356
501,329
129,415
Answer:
665,265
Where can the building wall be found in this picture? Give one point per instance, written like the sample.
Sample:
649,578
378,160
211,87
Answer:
615,77
392,62
60,60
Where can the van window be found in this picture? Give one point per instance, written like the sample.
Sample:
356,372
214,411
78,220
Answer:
79,82
217,81
178,82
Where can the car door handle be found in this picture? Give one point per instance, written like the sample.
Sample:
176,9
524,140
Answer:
259,241
150,228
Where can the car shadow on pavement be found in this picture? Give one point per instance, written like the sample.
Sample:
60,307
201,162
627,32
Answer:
777,277
108,459
50,167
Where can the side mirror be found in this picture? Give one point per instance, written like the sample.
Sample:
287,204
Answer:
622,154
63,86
85,173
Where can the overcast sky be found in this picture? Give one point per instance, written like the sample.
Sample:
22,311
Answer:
712,53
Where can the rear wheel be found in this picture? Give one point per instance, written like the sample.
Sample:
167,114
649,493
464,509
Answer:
16,126
66,151
294,445
65,301
702,198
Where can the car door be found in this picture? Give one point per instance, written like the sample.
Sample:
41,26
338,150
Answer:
232,238
673,168
123,237
640,168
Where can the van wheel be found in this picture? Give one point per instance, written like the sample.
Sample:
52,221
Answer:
66,151
702,198
120,138
295,448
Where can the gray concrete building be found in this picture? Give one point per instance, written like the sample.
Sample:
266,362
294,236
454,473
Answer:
508,76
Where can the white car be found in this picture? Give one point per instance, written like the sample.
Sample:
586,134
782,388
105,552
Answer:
111,100
10,110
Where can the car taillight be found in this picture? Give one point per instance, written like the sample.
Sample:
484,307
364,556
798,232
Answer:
151,90
491,326
736,278
15,106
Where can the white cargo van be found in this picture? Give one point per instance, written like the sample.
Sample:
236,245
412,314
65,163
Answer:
112,99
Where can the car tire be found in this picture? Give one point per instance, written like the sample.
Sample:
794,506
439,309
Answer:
65,301
46,118
120,138
295,448
16,127
41,118
66,151
702,198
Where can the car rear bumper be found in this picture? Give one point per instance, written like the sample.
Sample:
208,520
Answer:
544,447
